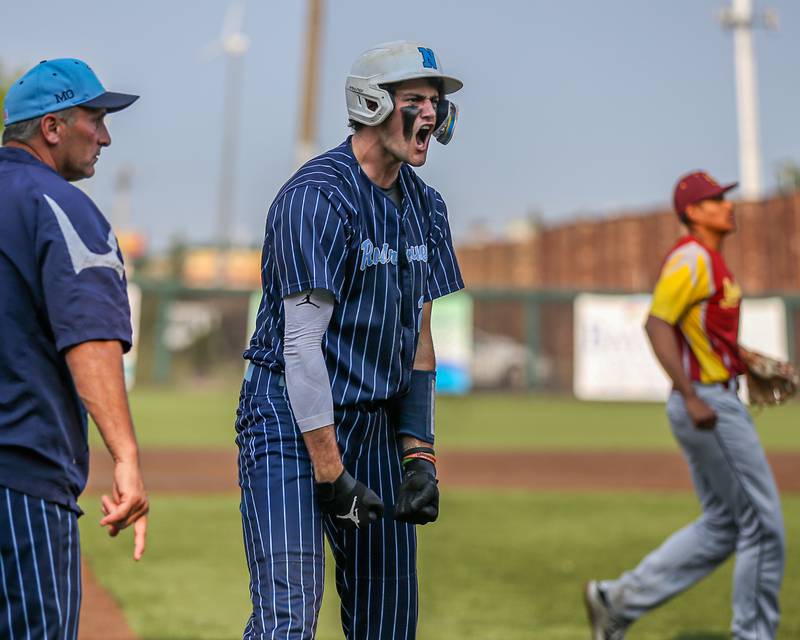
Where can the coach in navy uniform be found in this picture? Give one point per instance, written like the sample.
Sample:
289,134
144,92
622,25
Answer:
64,325
335,420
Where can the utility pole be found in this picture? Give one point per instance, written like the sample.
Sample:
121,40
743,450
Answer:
307,140
121,209
742,21
233,43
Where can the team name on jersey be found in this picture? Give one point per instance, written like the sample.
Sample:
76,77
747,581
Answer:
417,253
731,294
372,255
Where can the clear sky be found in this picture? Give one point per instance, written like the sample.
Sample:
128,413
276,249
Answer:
570,107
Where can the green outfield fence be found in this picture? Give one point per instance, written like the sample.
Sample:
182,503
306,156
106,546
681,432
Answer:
539,321
543,320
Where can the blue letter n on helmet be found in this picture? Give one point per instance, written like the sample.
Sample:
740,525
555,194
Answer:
428,59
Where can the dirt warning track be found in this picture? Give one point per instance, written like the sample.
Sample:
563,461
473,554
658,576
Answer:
214,470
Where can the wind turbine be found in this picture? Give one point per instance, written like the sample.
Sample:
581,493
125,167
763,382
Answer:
232,43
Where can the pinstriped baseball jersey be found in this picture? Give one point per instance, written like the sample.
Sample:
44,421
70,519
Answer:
330,227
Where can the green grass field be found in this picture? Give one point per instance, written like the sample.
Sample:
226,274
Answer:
204,418
497,566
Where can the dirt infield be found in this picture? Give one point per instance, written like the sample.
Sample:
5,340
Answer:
101,617
214,471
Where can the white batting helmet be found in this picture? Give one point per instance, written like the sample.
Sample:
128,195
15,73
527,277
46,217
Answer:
395,62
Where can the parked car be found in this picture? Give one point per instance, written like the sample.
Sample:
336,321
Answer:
500,362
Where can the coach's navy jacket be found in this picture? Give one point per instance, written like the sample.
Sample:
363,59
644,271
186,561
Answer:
61,283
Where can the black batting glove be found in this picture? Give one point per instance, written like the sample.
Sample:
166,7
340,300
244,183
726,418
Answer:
349,502
418,496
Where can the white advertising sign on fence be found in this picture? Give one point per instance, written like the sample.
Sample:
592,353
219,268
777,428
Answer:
763,327
613,359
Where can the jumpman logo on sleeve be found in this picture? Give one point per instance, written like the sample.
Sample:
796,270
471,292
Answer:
307,300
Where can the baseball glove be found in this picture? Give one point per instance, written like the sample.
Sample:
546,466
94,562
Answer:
769,381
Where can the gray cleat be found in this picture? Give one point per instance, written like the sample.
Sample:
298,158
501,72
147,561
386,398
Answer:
605,625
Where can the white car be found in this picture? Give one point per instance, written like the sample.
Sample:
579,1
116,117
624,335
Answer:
500,362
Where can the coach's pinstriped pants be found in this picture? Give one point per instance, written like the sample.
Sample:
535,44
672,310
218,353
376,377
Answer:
283,527
40,569
741,515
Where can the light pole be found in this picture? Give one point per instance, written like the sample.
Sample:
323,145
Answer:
233,43
742,21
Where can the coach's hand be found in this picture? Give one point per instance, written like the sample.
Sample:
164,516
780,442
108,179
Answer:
349,502
127,505
418,496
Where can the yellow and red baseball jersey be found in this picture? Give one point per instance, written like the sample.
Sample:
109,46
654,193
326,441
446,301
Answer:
697,294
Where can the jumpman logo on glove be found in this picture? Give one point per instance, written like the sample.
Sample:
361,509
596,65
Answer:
365,505
352,514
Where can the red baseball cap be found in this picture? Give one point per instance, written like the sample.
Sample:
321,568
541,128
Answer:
697,186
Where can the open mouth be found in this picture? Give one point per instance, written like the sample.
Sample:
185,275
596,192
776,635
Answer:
423,135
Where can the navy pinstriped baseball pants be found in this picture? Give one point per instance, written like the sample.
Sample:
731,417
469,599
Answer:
283,526
40,569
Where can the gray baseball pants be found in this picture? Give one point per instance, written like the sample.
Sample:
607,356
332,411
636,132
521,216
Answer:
741,515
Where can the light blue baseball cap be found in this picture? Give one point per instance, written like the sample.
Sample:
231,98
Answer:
55,85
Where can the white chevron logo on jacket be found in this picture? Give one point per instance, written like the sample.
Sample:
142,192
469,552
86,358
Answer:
82,257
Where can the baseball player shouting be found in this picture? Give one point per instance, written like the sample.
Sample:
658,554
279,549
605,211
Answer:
335,419
693,328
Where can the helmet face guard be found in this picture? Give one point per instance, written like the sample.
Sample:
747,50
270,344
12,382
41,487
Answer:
446,119
370,103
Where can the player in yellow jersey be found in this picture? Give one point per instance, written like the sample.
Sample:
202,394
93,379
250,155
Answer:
693,328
